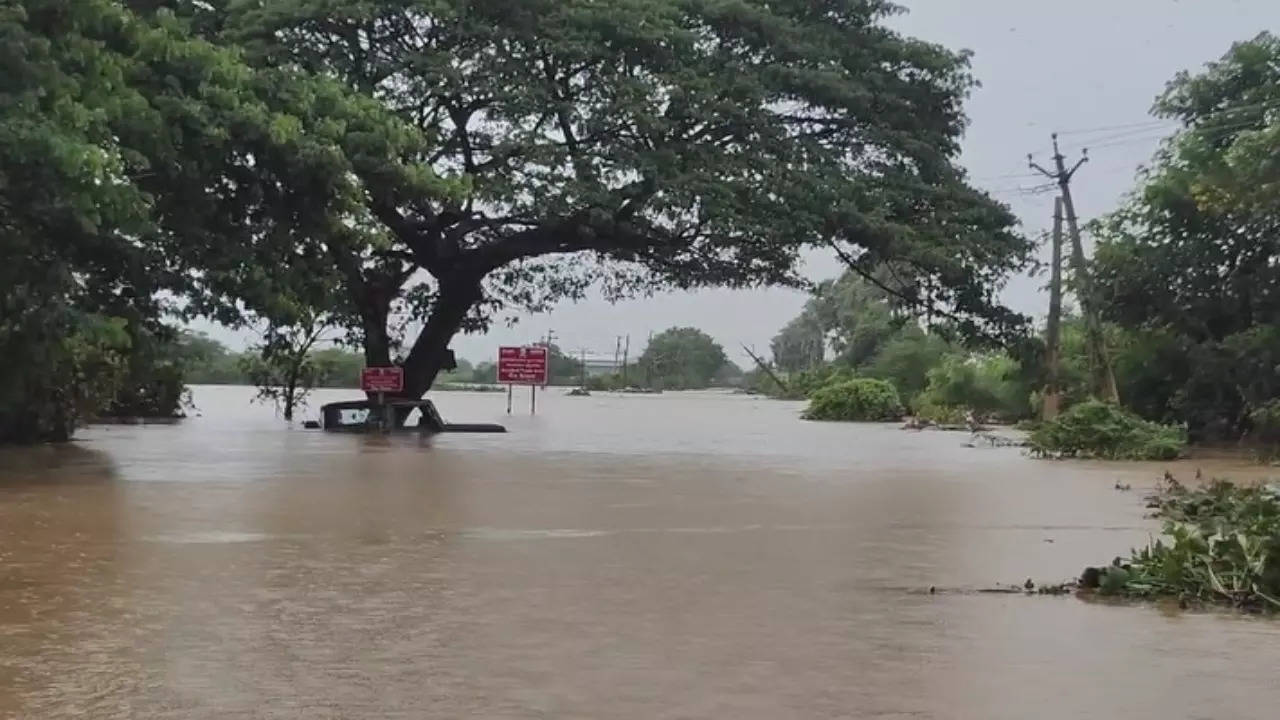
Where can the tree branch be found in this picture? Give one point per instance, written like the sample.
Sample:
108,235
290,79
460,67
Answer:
909,300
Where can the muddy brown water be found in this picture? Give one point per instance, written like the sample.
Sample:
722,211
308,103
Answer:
681,556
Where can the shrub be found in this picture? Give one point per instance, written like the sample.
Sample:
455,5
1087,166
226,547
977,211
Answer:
802,385
1265,432
989,385
1099,430
1266,423
861,399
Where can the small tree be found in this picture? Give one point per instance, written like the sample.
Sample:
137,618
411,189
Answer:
284,367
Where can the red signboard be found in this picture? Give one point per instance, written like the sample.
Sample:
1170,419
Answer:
382,379
522,365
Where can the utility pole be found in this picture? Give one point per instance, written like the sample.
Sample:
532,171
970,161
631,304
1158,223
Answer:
1053,328
617,353
1104,379
648,367
626,352
550,336
582,371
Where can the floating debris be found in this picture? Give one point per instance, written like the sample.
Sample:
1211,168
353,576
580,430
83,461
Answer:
987,439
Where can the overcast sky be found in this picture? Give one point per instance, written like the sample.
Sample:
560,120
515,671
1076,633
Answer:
1081,68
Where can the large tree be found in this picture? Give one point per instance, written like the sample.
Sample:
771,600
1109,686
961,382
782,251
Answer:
635,144
682,358
1192,262
131,157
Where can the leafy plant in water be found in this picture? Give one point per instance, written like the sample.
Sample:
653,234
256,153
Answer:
1100,430
1221,545
861,399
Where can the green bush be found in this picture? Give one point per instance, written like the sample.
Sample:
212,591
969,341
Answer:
989,385
1099,430
802,385
1265,431
1266,423
861,399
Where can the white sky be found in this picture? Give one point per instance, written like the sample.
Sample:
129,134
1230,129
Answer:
1044,66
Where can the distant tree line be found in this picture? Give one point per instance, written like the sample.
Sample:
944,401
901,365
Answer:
677,359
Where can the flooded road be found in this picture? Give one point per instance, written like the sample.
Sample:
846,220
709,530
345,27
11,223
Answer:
680,556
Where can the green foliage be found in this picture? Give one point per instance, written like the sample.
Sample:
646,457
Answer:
604,383
941,414
989,385
1265,434
340,368
1192,262
485,373
805,384
1100,430
638,146
907,359
134,160
800,345
859,400
154,382
1221,545
285,367
50,387
1266,423
873,335
681,358
307,156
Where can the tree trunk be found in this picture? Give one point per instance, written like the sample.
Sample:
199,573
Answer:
291,389
375,309
458,294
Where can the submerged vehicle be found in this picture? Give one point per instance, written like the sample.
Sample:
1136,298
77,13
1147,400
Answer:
394,416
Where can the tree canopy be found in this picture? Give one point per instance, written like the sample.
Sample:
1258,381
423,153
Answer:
682,358
660,143
1192,261
430,163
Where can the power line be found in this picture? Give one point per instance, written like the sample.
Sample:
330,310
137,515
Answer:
1024,190
1210,132
1108,128
1262,105
1008,176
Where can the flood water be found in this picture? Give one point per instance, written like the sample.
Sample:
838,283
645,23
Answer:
679,556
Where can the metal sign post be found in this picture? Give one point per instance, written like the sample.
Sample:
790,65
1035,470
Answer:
383,380
523,366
